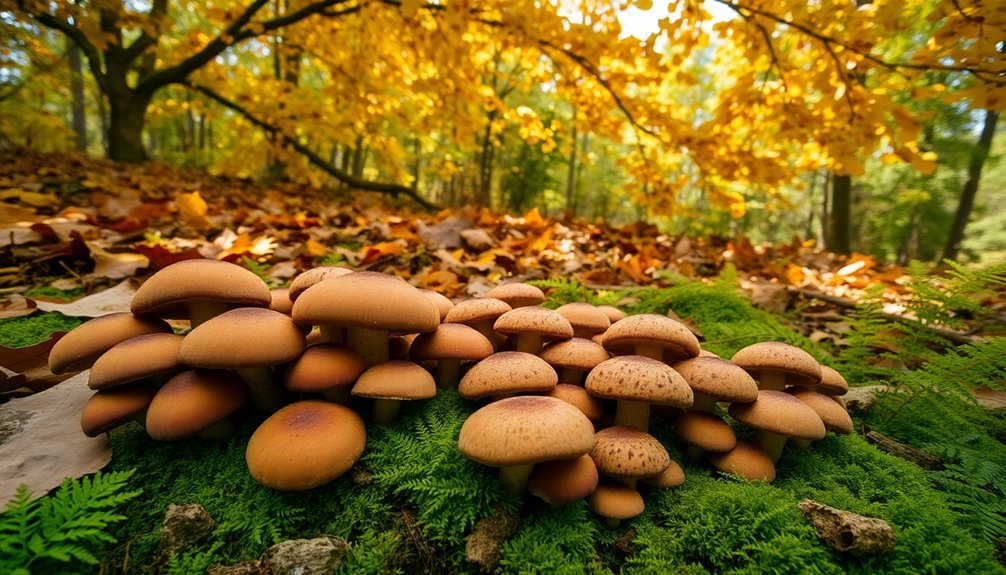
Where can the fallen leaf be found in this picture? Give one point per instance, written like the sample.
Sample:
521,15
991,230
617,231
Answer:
108,301
16,306
192,210
32,363
161,257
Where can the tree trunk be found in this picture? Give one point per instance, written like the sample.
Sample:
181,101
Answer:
78,117
125,126
841,210
953,247
571,173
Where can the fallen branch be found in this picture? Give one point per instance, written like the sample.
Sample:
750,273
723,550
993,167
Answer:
906,452
848,532
393,190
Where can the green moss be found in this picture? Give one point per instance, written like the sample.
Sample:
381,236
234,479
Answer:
54,294
35,328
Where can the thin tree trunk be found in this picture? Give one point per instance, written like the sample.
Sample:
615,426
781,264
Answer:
812,205
359,157
78,114
822,216
841,214
571,173
953,247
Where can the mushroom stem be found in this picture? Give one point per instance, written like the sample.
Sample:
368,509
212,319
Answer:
702,402
530,343
571,376
634,414
371,344
203,310
693,453
772,380
651,351
338,395
772,444
266,395
332,333
486,329
385,410
447,373
800,443
614,522
514,477
222,429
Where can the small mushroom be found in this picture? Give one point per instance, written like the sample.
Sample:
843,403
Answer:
714,380
704,431
628,454
151,356
652,335
746,460
79,349
573,358
479,313
517,294
531,326
506,373
578,397
615,502
832,383
776,364
110,408
564,480
672,476
439,300
587,320
196,402
327,368
778,416
635,382
392,382
450,344
834,416
614,314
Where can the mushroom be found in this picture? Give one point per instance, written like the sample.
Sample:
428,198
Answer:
655,336
531,326
614,314
249,341
328,368
305,445
450,344
392,382
151,356
564,480
573,358
313,276
196,402
110,408
79,349
479,313
586,319
615,502
713,379
834,416
198,290
704,431
636,382
280,300
627,454
672,476
439,301
517,294
832,383
578,397
778,416
515,433
746,460
506,373
776,364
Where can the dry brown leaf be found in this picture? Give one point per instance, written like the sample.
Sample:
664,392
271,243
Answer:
108,301
16,305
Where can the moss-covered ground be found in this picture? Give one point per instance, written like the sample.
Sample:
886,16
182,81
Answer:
413,497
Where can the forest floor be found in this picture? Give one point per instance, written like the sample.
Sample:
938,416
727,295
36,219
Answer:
77,235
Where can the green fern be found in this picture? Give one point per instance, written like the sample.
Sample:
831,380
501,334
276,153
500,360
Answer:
64,531
560,291
260,269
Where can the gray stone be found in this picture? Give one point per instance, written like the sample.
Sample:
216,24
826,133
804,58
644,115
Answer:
183,526
319,556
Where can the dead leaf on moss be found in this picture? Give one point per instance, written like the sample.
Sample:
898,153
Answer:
108,301
16,306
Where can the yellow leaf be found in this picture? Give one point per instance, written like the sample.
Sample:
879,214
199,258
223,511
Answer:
192,210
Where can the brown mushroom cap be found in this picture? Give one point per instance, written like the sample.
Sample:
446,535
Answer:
718,378
577,396
621,451
396,379
799,366
705,430
304,445
615,501
564,480
313,276
367,300
451,341
651,330
586,319
167,293
194,400
110,408
533,320
746,460
832,382
834,416
517,294
439,300
324,366
525,429
79,349
508,372
477,309
638,378
614,314
136,358
243,337
780,413
575,353
673,476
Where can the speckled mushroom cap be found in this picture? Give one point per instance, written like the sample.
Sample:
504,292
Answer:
367,300
517,294
439,300
305,445
706,431
615,501
672,476
564,480
746,460
832,382
575,353
313,276
614,314
586,319
323,366
396,379
136,358
167,293
280,300
508,372
621,451
536,320
451,341
243,337
79,349
192,401
110,408
651,329
781,413
834,416
577,396
525,429
718,378
799,366
638,378
477,309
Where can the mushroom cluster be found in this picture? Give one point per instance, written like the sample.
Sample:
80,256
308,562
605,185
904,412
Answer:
568,393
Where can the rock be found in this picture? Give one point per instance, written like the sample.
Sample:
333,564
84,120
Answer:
847,532
184,525
477,239
483,544
318,556
862,397
242,568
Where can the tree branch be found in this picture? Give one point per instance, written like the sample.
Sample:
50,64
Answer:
393,190
78,38
158,10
